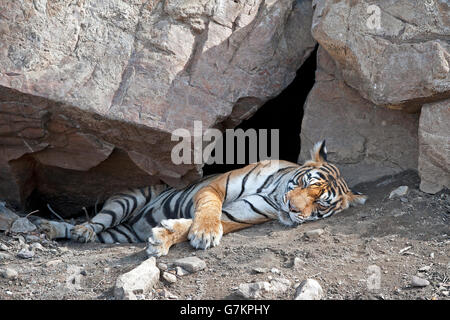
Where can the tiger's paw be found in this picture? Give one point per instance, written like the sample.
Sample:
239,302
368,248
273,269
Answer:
54,229
158,242
83,233
205,233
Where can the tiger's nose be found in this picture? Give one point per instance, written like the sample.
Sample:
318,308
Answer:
293,208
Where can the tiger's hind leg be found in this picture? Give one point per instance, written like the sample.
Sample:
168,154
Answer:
115,212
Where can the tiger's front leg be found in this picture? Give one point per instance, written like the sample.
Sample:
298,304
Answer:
206,230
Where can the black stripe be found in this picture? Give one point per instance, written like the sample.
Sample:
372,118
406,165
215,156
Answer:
244,180
100,224
229,216
100,238
124,234
131,230
269,202
113,236
110,213
226,187
256,210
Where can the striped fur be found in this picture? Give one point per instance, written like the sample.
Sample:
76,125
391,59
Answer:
218,204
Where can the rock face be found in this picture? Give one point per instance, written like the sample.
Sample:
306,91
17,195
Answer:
91,87
365,141
391,52
434,146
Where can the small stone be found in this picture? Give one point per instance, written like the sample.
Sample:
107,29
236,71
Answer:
432,255
53,263
297,262
313,234
140,280
253,290
5,256
275,270
37,246
7,217
419,282
9,273
191,264
260,270
445,293
425,269
162,266
22,225
32,238
279,285
3,247
25,254
309,289
169,277
181,272
399,192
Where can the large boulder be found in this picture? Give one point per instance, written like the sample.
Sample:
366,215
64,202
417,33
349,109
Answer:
90,91
392,52
434,146
365,141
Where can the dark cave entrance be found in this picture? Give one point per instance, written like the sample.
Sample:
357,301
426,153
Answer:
284,112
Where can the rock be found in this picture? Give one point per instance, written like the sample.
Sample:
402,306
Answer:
275,270
314,234
253,290
53,263
137,281
394,54
434,152
96,104
171,278
25,254
22,225
260,270
297,262
3,247
181,272
37,246
309,289
419,282
399,192
5,256
366,142
425,269
7,218
9,273
191,264
162,266
32,238
279,285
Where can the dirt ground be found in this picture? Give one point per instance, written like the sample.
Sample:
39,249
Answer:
399,236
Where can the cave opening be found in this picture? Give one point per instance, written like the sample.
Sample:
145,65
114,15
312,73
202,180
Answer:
284,112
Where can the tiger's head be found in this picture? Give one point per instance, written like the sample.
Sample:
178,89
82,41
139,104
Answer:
317,190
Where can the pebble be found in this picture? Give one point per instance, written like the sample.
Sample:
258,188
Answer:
419,282
313,234
297,262
37,246
191,264
260,270
53,263
275,270
3,247
309,289
140,280
22,225
32,238
7,218
9,273
253,290
279,285
25,254
5,256
169,277
181,272
162,266
399,192
425,269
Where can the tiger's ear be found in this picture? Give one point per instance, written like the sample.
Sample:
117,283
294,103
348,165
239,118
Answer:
356,198
319,152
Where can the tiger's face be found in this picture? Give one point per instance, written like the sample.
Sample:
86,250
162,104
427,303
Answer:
317,189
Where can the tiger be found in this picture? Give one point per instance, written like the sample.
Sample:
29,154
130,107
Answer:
216,205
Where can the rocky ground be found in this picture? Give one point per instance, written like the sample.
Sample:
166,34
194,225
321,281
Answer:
388,249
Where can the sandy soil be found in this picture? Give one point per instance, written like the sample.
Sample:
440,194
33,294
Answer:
399,236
